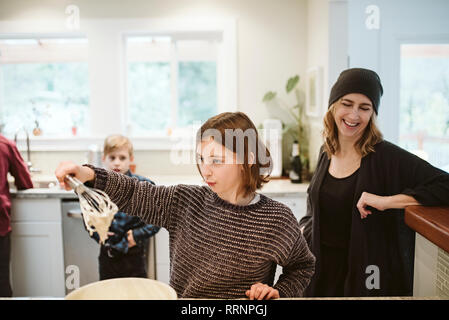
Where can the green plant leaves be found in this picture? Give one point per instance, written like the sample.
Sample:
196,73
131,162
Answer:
296,129
291,83
270,95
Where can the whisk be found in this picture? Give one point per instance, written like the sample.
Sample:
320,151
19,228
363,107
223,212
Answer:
98,210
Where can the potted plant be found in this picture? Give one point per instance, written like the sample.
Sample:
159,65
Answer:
294,125
37,131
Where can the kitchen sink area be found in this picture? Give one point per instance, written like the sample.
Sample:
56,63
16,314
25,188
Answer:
45,184
39,182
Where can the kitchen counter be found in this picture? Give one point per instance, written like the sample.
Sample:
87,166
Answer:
37,193
276,187
430,222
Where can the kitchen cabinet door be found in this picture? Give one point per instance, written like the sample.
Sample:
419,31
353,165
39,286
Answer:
37,264
37,260
162,256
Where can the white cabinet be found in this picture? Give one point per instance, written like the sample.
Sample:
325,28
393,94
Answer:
37,260
162,256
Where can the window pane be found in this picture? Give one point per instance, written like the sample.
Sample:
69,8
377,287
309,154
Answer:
149,96
171,81
53,96
424,102
44,83
197,87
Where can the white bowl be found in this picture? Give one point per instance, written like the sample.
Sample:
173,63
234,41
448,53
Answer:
124,289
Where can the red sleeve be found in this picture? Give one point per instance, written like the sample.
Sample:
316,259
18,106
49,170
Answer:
19,170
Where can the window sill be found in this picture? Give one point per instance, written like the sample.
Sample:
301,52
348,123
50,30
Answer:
83,143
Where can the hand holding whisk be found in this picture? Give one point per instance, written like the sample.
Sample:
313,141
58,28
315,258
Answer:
97,208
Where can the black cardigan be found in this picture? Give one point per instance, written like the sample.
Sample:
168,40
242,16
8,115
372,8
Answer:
382,239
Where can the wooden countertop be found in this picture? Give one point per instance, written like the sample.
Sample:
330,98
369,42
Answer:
431,222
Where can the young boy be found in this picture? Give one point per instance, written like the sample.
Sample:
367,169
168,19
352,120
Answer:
123,254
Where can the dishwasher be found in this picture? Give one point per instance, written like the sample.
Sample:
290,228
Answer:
80,250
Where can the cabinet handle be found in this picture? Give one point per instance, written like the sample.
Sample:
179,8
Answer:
76,213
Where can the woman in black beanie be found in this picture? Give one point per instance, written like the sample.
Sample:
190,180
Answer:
355,219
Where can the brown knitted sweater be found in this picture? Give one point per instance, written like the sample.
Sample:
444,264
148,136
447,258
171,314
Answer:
217,249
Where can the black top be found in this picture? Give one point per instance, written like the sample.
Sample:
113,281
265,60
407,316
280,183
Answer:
336,198
381,239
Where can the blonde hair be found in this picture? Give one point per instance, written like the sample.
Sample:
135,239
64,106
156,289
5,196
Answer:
256,173
370,137
117,141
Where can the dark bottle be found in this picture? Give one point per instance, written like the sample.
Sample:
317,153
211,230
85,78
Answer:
296,170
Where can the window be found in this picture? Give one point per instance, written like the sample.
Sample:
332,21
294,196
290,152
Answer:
141,86
424,102
172,82
197,87
44,86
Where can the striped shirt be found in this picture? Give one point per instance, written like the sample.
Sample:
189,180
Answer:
217,249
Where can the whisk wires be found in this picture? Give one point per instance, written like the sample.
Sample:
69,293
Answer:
97,208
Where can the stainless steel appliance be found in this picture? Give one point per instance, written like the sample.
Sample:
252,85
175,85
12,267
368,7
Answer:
80,250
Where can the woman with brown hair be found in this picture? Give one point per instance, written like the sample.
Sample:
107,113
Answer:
355,219
225,238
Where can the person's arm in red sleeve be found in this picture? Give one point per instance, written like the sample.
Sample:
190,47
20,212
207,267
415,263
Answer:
19,170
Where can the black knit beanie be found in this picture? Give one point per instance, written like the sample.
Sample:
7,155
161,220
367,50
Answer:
357,80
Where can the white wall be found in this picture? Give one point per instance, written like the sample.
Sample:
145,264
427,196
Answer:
317,56
271,46
327,47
